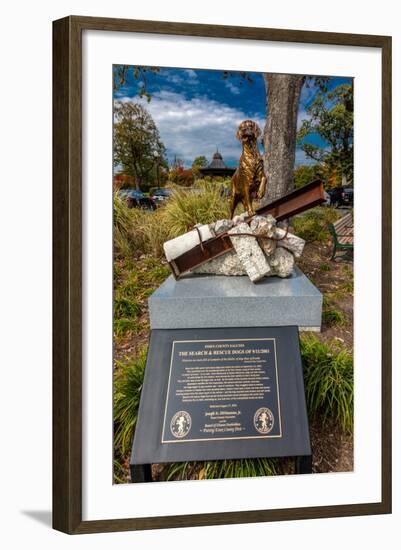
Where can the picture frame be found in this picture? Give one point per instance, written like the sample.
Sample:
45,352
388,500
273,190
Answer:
68,261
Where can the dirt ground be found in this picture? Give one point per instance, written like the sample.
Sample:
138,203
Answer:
335,280
332,449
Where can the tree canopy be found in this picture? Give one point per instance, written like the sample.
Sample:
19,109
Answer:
199,162
138,148
331,116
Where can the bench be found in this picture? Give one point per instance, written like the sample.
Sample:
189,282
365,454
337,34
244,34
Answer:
342,232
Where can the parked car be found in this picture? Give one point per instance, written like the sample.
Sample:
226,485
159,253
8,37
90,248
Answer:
159,196
341,196
137,199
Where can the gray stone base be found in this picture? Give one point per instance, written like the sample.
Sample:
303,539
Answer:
200,301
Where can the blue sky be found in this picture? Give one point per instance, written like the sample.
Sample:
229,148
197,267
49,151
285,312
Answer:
197,110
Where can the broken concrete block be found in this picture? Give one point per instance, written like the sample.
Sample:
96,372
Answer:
290,242
228,264
249,252
221,226
240,218
281,262
265,227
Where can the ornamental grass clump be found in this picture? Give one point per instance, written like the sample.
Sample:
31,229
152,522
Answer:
220,469
127,392
138,231
329,381
204,203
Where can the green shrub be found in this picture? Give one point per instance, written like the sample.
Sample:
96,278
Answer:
313,225
203,203
329,380
128,382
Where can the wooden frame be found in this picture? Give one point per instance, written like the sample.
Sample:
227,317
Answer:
67,279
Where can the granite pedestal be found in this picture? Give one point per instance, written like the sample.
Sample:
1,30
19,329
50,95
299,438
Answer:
208,301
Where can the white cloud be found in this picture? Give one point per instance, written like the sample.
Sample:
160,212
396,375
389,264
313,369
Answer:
196,126
233,89
174,78
191,73
186,77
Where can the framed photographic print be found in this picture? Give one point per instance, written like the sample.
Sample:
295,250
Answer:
222,274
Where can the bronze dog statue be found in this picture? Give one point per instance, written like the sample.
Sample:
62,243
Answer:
249,179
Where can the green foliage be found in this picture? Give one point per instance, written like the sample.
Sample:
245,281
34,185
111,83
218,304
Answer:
127,392
348,283
325,267
134,281
127,307
137,145
313,224
331,116
305,173
205,203
348,286
119,473
329,380
199,162
223,469
332,316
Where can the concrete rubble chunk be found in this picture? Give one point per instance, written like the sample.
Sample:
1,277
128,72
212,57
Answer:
228,264
221,226
290,242
268,223
240,218
282,262
265,227
249,253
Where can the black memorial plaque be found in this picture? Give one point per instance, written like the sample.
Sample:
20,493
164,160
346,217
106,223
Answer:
222,393
222,389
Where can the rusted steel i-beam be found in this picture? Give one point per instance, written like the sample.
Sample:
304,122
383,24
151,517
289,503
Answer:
294,203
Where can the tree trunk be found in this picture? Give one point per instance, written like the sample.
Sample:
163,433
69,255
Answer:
280,133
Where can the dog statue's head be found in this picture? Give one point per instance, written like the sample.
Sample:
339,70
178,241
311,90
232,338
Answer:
248,130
